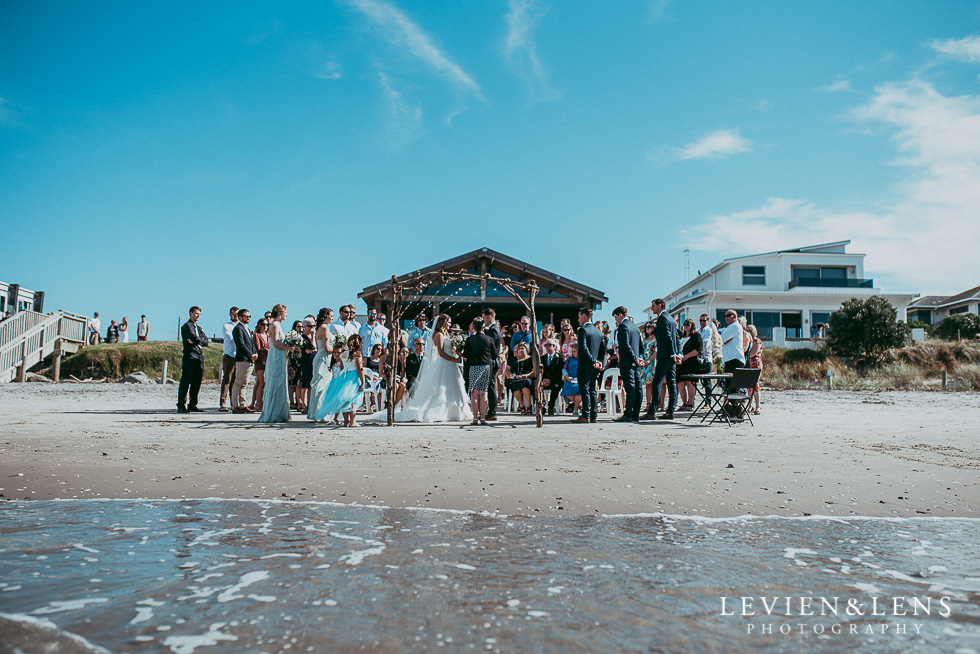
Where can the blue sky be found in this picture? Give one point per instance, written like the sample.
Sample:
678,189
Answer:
158,155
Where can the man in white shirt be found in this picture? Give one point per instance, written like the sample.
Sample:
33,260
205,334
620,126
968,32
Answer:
372,333
347,325
142,329
704,330
731,343
228,356
95,330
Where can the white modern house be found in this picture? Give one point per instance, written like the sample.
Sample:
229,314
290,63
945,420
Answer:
931,309
14,298
785,294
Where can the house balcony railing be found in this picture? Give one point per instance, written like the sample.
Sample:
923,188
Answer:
831,283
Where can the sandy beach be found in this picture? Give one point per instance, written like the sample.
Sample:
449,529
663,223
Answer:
885,454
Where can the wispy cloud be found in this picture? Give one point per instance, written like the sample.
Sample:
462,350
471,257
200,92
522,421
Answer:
329,70
404,121
966,49
839,85
521,50
932,210
401,31
657,8
715,145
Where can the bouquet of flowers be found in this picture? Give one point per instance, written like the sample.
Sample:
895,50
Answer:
459,342
293,339
340,339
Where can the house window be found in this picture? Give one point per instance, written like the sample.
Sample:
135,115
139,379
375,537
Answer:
958,310
753,275
923,315
818,318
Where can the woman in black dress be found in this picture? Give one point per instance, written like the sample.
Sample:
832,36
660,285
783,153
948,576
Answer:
519,374
690,364
479,353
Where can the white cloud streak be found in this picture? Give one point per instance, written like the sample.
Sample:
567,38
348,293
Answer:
521,50
404,120
966,49
401,31
715,145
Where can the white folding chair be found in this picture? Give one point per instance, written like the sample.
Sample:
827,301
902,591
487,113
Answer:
611,394
373,391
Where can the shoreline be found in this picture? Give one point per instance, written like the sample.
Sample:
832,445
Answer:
811,454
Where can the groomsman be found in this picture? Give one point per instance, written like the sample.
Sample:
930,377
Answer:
228,356
628,339
591,355
490,320
192,366
668,355
245,356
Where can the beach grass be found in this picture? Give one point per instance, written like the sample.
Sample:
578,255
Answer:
120,359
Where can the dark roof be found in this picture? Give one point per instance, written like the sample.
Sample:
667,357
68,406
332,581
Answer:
943,300
519,268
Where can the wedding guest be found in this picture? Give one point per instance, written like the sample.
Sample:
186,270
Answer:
570,389
690,364
552,365
566,337
491,329
347,325
245,357
345,391
275,396
629,349
707,342
294,365
716,345
324,339
372,333
547,332
192,365
124,330
413,363
746,338
755,361
419,330
732,350
479,353
112,332
401,377
609,337
260,341
307,354
592,354
228,356
95,330
650,356
268,317
519,374
522,334
142,329
372,373
668,353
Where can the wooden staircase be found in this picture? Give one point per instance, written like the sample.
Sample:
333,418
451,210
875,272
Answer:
28,337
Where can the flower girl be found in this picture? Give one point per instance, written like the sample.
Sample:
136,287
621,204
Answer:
346,390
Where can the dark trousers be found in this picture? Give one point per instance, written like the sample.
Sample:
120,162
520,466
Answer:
665,372
590,394
730,367
191,374
492,393
633,388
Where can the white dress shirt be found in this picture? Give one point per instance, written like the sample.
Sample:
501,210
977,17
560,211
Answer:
731,339
227,332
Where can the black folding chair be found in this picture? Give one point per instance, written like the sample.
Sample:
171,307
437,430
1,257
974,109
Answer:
737,397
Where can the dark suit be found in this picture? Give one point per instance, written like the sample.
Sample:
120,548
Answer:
494,334
244,345
553,373
668,345
630,350
192,365
591,350
413,362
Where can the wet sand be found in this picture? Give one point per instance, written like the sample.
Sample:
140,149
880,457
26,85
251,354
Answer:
885,454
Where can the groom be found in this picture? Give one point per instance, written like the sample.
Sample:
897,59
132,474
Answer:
490,320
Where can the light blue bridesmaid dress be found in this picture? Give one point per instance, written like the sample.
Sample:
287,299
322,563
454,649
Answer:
275,398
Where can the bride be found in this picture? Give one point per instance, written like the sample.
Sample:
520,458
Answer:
439,392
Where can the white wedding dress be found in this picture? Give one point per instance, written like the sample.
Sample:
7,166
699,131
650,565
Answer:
440,395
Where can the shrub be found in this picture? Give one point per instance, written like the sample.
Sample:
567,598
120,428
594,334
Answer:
958,325
863,330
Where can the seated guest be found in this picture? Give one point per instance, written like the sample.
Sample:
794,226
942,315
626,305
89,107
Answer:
566,338
400,377
570,390
519,374
552,364
547,332
413,363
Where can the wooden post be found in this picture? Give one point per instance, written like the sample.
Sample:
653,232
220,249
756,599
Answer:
163,375
538,370
945,380
56,365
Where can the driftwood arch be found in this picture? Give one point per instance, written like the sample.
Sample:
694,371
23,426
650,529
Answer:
418,283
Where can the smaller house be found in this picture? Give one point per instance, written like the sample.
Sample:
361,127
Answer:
15,298
931,309
786,294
